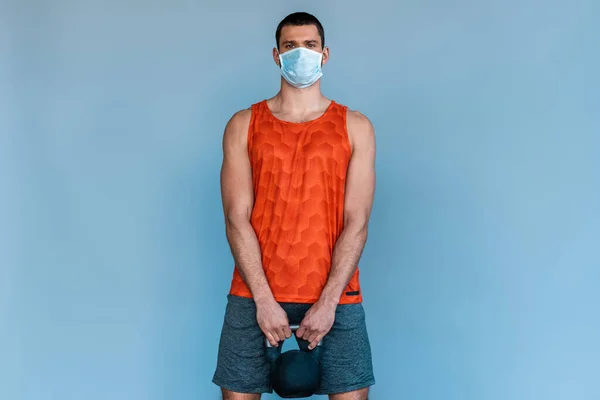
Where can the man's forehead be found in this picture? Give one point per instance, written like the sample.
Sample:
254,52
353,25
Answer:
299,33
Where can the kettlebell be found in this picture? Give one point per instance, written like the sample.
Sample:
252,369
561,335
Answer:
294,373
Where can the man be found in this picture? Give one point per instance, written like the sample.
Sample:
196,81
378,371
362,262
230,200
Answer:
297,185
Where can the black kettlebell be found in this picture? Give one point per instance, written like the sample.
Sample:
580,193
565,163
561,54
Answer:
294,373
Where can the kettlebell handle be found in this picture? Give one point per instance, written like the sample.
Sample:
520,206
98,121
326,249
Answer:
293,328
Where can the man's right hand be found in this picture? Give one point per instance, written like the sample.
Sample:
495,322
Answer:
273,321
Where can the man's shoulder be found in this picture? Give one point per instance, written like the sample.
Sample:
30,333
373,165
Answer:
237,127
354,117
239,121
356,121
360,129
241,115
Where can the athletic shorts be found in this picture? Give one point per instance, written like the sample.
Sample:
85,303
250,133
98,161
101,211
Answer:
346,363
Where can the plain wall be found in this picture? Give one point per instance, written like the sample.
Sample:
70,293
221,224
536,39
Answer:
482,268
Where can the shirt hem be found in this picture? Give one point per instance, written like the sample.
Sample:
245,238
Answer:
295,300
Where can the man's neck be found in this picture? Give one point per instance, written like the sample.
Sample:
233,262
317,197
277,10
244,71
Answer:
291,99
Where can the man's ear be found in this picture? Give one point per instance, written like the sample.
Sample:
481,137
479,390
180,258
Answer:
325,56
276,56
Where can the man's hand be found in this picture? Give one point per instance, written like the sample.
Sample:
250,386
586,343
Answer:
273,321
317,323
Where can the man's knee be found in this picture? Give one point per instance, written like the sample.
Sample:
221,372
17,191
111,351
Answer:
362,394
229,395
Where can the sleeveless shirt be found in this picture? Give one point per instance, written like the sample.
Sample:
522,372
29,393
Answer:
299,178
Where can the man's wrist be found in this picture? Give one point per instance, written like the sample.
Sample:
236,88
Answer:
329,298
263,297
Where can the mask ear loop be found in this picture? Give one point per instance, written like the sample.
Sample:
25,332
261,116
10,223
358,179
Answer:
279,57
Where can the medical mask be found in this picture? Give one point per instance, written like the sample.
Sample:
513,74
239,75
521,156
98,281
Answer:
301,67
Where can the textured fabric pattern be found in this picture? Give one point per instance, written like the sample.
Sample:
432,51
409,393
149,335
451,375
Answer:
346,361
299,177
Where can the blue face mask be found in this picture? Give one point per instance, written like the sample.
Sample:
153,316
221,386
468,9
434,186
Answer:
301,67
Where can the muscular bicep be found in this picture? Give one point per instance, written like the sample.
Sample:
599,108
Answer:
360,178
236,174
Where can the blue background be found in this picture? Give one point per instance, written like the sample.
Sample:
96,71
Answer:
482,268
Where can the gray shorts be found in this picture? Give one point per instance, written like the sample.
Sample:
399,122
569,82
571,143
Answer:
242,367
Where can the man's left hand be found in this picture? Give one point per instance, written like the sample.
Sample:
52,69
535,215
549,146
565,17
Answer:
317,322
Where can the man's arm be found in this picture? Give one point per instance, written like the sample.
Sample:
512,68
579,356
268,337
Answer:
238,199
360,189
237,195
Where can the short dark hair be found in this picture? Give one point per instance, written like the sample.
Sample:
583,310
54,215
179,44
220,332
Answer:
299,19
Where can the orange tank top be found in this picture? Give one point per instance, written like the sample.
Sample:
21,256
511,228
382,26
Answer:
299,178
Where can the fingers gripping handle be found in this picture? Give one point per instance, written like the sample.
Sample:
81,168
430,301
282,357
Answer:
293,328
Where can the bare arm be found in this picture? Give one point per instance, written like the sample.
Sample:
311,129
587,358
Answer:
238,199
360,188
237,195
